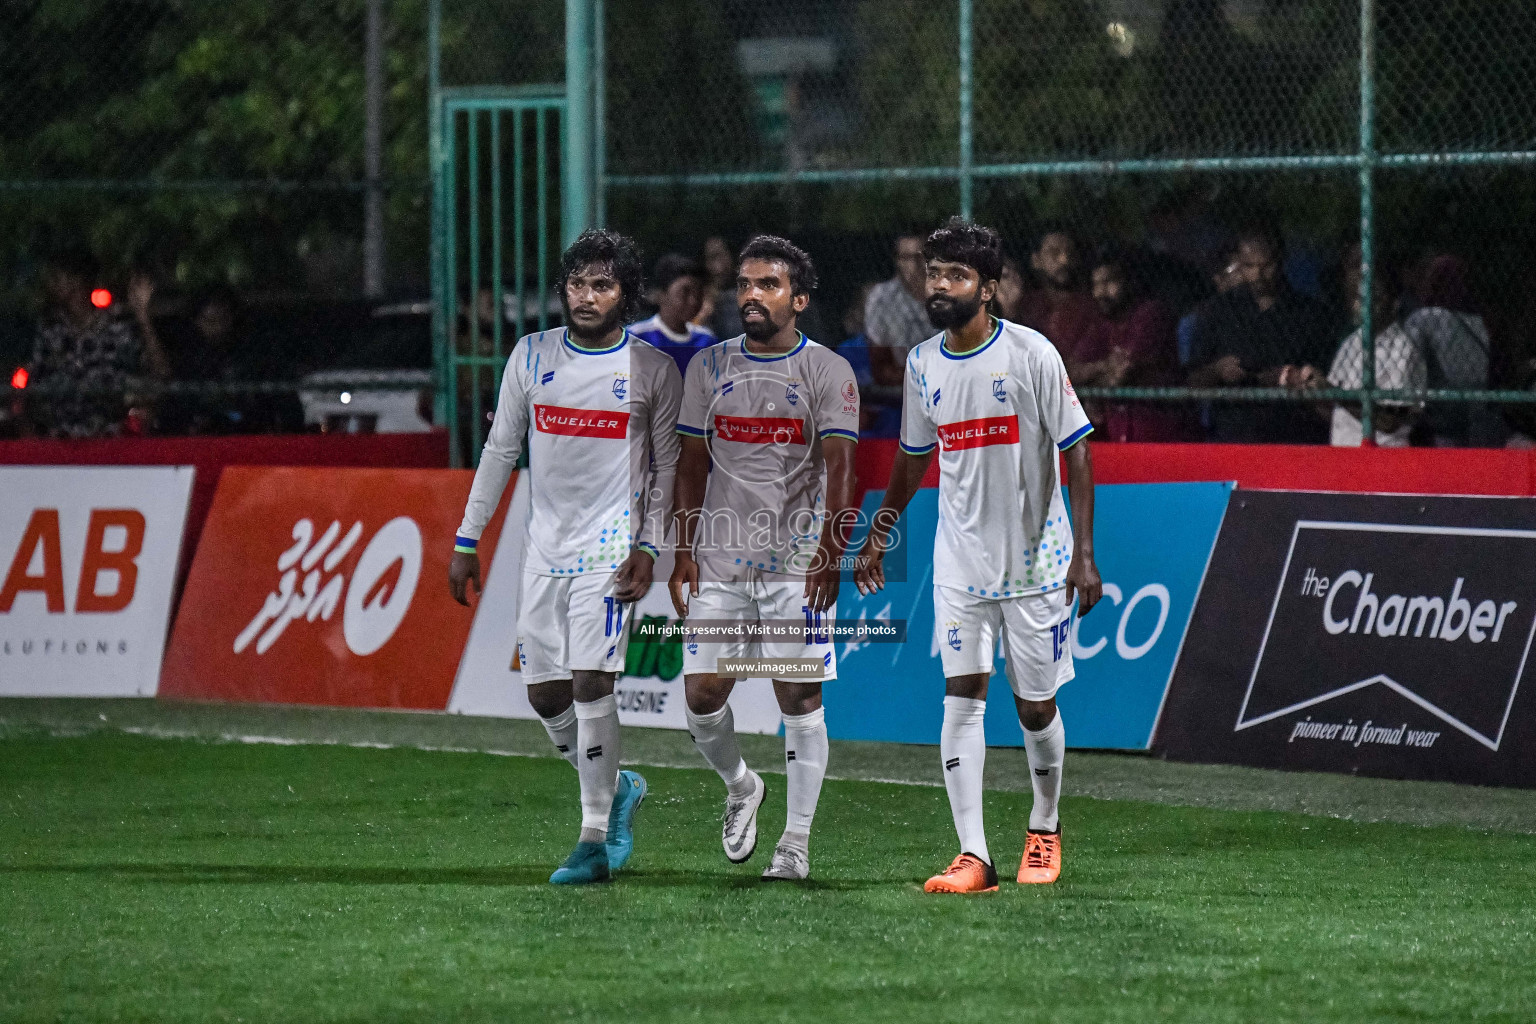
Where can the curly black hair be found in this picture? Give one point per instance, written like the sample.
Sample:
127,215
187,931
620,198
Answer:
599,247
975,246
802,272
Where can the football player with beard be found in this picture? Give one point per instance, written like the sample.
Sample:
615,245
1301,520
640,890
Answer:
601,455
765,492
994,399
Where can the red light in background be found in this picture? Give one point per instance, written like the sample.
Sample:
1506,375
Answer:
101,298
19,378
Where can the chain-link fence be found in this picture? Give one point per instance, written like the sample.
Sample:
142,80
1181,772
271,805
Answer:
234,144
227,180
1182,135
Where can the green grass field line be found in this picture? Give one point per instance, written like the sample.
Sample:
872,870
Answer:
153,879
1101,775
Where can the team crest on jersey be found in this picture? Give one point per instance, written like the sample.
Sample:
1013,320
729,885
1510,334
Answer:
547,378
999,389
792,391
620,385
850,392
953,634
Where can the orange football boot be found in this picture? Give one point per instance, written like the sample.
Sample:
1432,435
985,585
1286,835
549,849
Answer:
966,873
1042,858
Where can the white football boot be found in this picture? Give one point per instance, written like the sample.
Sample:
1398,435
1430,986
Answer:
739,834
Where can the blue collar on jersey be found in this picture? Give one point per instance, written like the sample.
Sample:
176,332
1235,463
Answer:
975,351
623,339
770,359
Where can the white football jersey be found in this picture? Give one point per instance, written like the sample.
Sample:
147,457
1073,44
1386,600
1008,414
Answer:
999,415
765,418
602,451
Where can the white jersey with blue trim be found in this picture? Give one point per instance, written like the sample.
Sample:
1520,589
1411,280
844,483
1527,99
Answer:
602,443
765,418
1000,415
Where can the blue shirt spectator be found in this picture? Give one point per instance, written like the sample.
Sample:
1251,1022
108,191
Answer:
679,281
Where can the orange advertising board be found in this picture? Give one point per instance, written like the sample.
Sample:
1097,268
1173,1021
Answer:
325,586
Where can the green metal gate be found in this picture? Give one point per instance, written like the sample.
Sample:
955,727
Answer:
496,238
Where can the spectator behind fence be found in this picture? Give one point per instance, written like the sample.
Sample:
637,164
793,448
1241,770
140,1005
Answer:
719,312
1009,299
1261,334
895,317
215,348
1453,339
91,348
1131,344
1057,305
877,418
1399,366
679,282
1224,279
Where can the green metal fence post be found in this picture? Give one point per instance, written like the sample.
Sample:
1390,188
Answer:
518,227
441,364
966,155
1367,219
450,276
498,296
541,164
599,114
576,155
472,309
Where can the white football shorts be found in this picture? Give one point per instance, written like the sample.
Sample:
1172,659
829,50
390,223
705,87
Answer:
570,623
764,597
1036,632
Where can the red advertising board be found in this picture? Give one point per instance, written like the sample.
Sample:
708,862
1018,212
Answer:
325,586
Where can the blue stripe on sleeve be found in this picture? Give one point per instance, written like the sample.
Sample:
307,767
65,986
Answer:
1078,435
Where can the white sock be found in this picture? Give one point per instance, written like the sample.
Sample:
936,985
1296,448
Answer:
562,732
963,747
597,762
805,762
715,736
1047,749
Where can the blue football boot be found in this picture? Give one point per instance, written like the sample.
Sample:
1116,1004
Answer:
587,863
621,819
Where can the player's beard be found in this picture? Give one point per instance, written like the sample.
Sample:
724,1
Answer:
945,311
760,330
601,330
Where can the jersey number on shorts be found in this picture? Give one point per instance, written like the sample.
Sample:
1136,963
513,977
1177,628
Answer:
1060,635
614,622
815,632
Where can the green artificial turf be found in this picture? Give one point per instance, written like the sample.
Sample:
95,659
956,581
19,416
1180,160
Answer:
175,879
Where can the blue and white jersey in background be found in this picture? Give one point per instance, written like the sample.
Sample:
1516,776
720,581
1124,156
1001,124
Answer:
680,346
